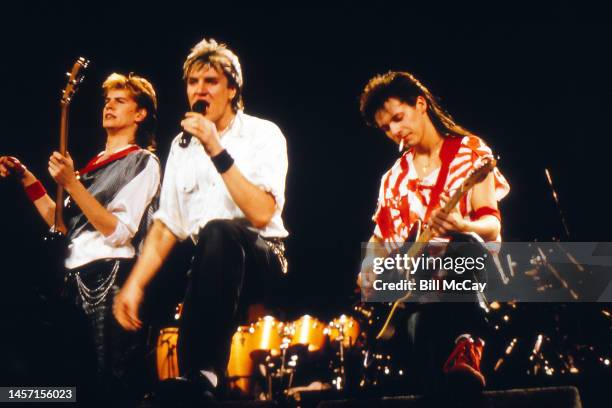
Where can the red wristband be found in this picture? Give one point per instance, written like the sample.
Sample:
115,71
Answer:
482,211
35,191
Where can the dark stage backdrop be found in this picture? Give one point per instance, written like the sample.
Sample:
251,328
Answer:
537,90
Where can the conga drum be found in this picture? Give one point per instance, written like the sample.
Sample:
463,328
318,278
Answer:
167,361
240,365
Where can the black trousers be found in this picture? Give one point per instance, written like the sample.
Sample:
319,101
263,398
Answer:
434,327
228,257
432,330
119,353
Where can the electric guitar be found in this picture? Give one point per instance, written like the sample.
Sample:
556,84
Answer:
422,235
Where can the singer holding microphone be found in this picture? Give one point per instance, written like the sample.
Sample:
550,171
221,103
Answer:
223,188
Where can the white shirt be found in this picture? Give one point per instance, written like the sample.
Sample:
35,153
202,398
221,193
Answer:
128,206
193,192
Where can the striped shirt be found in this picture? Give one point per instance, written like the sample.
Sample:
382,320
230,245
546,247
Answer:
403,197
127,185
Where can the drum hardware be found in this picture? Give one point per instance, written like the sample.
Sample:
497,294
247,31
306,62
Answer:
549,362
178,311
270,345
339,379
274,352
279,371
286,366
558,205
343,331
379,368
556,273
507,352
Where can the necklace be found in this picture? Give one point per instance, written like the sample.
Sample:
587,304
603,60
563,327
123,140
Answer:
431,158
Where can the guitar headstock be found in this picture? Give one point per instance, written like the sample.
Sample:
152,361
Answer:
75,77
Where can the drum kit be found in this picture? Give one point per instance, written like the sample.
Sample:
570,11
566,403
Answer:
270,358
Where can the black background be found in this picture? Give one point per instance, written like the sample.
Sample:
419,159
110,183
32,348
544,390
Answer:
534,83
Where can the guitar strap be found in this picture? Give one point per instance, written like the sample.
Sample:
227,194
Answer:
449,150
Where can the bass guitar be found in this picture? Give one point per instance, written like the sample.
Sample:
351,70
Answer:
55,239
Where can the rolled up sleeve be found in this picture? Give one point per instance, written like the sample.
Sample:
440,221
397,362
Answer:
270,168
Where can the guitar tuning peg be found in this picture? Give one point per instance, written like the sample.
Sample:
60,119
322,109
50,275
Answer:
68,74
84,62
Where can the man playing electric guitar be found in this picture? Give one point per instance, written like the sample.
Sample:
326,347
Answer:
438,156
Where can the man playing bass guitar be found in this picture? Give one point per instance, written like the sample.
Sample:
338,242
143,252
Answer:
108,210
437,156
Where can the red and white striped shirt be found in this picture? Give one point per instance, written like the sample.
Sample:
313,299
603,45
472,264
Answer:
404,198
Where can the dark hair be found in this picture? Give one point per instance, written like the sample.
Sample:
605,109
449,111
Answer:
405,87
144,95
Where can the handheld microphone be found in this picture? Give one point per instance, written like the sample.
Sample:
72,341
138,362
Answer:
200,107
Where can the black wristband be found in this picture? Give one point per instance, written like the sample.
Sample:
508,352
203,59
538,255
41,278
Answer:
223,161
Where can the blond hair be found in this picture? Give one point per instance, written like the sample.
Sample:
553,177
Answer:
209,53
144,95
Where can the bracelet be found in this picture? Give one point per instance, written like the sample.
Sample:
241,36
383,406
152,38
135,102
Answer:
35,191
223,161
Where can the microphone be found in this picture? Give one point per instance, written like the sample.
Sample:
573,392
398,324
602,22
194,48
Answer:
200,107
